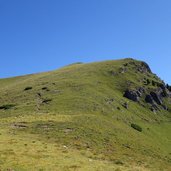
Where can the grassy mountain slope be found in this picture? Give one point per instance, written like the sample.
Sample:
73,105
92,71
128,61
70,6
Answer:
77,118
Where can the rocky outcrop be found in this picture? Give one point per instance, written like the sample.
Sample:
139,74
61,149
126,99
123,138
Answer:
156,97
165,91
154,91
140,91
144,68
149,99
154,108
132,95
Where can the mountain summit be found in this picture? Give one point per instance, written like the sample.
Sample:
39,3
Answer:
111,115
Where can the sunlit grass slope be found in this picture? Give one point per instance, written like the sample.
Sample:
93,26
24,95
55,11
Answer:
75,118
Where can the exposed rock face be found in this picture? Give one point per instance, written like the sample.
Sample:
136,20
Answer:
165,92
156,98
154,108
165,107
144,68
132,95
140,91
154,90
149,99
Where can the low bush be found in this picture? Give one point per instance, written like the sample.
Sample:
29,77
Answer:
46,101
148,82
7,106
45,88
136,127
153,83
118,162
28,88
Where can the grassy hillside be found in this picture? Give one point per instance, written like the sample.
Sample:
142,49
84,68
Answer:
78,118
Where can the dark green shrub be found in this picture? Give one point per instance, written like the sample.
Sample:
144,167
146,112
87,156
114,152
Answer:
148,81
118,108
159,84
136,127
153,83
118,162
7,106
45,88
46,101
27,88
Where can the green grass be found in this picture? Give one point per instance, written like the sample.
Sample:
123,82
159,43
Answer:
73,119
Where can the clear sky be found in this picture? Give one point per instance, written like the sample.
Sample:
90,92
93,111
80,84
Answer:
42,35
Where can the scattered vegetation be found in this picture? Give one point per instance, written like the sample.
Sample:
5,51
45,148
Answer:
153,83
28,88
7,106
148,82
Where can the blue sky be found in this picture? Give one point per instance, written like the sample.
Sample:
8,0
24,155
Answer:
42,35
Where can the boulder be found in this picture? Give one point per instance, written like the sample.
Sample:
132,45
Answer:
149,99
132,95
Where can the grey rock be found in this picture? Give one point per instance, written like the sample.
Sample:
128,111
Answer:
140,91
154,108
122,70
132,95
149,99
125,105
164,91
156,97
165,107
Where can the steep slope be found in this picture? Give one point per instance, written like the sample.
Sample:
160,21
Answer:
98,116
